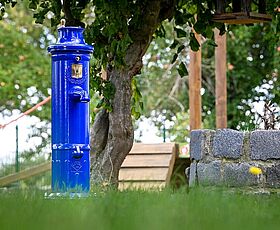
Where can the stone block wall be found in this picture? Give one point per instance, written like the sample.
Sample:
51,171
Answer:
224,157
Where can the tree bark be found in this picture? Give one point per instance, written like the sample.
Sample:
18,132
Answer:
112,133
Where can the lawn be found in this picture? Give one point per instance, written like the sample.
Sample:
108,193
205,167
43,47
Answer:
195,209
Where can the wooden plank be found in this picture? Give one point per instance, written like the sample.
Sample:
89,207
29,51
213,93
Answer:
242,18
242,15
195,87
221,80
158,160
241,21
143,174
25,174
162,148
141,185
171,165
151,148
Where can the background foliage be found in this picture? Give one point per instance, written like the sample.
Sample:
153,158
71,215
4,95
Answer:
253,59
25,70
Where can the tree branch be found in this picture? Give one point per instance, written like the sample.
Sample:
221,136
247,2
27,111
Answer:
141,32
167,9
70,19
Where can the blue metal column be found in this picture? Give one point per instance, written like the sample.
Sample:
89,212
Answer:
70,112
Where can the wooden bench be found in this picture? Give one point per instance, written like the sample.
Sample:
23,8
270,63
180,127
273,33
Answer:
148,166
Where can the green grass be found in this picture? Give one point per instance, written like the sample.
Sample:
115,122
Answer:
196,209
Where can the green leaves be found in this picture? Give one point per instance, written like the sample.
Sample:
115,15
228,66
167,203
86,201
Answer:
212,43
3,4
110,33
181,18
105,89
180,48
180,33
42,8
33,4
194,44
27,61
182,70
137,105
191,7
40,16
174,44
160,32
175,56
199,27
13,3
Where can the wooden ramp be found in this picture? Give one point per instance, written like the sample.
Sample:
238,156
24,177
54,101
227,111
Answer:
148,166
25,174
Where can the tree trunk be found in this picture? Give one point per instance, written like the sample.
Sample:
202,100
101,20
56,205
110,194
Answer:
112,133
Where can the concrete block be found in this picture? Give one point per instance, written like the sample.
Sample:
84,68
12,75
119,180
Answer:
228,143
209,173
192,174
265,144
238,175
200,144
273,176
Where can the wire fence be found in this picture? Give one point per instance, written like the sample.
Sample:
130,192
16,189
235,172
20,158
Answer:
15,143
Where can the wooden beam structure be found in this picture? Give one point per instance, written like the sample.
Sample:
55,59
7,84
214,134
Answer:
25,174
195,87
242,18
148,166
221,80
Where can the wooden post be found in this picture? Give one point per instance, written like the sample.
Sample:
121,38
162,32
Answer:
221,80
195,87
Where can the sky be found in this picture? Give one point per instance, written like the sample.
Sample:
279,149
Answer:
8,136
